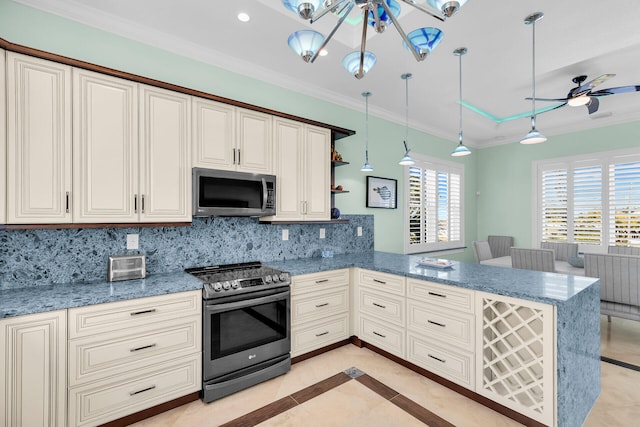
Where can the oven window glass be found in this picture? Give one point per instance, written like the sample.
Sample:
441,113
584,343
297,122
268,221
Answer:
244,328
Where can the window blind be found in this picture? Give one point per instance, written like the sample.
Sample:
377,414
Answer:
624,204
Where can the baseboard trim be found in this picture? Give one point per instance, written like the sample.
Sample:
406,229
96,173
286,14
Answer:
154,410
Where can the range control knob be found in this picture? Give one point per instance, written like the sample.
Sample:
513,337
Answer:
275,278
217,286
284,276
235,284
267,278
226,286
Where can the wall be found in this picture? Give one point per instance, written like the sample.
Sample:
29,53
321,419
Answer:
504,206
41,257
30,27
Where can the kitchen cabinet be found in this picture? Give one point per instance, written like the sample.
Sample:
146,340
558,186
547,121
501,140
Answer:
33,374
319,310
231,138
128,168
302,167
125,357
39,140
3,140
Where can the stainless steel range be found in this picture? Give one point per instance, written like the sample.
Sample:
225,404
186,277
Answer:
246,326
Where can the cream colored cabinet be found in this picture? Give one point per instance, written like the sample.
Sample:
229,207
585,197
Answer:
302,163
381,308
440,330
3,140
231,138
33,371
127,356
516,355
39,136
319,310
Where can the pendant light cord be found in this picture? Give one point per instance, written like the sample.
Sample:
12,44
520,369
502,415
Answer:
460,102
366,131
533,78
406,109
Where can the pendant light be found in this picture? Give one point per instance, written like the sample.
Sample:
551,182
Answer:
366,167
461,149
406,160
533,137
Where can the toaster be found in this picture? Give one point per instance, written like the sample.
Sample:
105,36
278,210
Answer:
126,267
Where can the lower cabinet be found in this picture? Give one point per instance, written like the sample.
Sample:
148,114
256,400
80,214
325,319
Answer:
128,356
319,310
33,374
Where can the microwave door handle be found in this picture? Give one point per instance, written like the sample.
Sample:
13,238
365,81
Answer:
264,194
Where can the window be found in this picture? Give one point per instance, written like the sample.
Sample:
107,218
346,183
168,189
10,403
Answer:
591,200
433,216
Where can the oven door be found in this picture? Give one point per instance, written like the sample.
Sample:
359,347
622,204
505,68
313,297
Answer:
243,330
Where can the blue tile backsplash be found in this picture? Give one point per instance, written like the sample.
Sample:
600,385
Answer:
42,257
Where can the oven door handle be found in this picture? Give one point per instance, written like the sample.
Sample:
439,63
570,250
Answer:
216,307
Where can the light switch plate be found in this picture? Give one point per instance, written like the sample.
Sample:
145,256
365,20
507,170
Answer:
322,234
132,241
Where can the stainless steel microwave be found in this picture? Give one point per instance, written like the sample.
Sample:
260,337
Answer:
228,193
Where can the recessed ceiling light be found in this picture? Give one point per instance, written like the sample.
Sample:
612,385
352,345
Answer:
244,17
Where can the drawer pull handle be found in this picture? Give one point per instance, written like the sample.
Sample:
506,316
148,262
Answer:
437,358
322,281
142,348
133,393
324,333
380,335
136,313
437,295
322,305
380,281
379,305
436,323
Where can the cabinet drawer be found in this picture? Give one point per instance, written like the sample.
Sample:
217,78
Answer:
98,402
317,305
387,308
441,295
383,282
106,355
451,326
318,334
448,362
322,280
124,315
388,337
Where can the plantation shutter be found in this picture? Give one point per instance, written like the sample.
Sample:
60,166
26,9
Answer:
624,204
554,205
587,205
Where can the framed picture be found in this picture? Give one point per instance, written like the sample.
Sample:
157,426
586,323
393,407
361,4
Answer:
382,192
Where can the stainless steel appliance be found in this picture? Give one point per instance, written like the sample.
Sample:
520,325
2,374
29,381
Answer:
246,326
229,193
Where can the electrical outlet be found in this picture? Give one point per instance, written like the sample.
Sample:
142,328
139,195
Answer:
285,234
132,241
322,235
359,231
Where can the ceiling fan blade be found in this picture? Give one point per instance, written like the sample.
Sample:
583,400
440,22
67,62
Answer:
593,105
548,99
614,90
593,83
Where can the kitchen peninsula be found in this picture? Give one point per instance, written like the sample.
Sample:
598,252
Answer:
536,346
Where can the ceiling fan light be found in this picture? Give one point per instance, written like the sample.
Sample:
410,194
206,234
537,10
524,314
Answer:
351,63
424,40
385,19
579,100
304,8
306,43
533,137
447,7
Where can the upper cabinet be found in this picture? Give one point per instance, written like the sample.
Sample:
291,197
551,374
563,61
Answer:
38,140
3,140
302,169
231,138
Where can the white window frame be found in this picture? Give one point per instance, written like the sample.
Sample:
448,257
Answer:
439,165
605,159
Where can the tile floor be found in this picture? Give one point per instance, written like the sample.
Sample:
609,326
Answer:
352,404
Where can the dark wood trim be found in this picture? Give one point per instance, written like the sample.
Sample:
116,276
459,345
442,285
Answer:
336,131
331,221
319,351
356,341
100,225
318,388
155,410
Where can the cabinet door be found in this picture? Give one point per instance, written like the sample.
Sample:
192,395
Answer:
288,137
214,134
254,145
39,131
165,173
3,141
318,173
33,370
105,148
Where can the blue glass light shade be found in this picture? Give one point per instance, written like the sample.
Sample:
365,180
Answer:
533,137
304,8
424,40
461,150
447,7
306,43
385,19
351,63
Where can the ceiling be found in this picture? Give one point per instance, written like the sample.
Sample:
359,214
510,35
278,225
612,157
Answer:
575,37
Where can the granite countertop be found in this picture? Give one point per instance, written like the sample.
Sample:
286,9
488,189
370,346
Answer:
548,288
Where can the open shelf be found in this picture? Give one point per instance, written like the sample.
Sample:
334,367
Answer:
339,191
336,163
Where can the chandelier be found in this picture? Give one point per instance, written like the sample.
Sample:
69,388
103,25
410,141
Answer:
378,14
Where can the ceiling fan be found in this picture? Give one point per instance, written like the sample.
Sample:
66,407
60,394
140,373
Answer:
583,95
